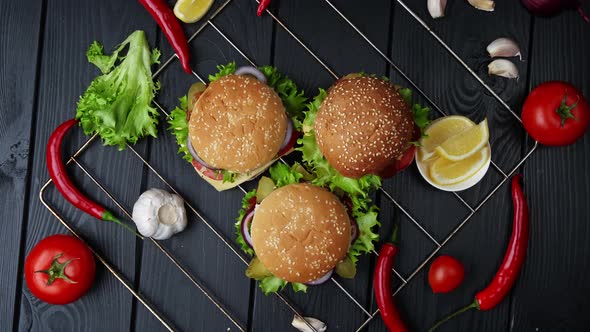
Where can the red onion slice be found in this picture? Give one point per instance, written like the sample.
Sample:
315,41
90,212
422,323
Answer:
245,227
288,134
321,280
190,148
249,70
354,230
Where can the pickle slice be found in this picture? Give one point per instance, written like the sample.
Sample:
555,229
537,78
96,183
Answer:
265,187
256,270
346,268
307,176
195,89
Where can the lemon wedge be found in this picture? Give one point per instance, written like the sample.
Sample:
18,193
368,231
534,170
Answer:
439,131
466,143
190,11
445,172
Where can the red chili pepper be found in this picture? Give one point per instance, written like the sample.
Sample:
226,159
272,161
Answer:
506,276
382,286
262,5
59,176
169,24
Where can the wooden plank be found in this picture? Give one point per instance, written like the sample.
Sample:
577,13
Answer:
200,251
17,88
557,256
344,51
551,294
455,91
64,75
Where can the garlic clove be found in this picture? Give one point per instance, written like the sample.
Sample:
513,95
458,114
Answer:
436,8
504,47
487,5
503,67
159,214
300,324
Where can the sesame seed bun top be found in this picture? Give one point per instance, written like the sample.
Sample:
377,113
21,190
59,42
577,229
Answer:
237,124
363,125
300,232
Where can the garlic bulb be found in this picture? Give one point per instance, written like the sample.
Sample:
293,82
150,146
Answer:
504,47
159,214
487,5
503,67
300,324
436,8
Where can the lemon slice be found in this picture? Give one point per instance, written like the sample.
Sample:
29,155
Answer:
466,143
445,172
439,131
190,11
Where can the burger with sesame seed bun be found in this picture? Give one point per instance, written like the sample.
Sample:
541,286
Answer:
363,125
234,128
300,233
359,131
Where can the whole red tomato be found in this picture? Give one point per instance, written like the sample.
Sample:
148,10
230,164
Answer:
556,113
445,274
59,269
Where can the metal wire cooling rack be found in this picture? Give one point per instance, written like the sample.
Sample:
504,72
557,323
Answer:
228,242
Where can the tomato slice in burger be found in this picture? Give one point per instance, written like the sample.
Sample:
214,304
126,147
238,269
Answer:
290,144
400,164
215,175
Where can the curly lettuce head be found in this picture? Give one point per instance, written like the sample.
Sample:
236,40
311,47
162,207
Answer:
118,104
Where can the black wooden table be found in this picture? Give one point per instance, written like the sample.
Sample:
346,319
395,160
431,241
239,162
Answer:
43,71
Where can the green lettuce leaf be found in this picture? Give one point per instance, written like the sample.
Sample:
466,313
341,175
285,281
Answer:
406,93
275,284
366,219
283,175
421,117
229,176
238,225
297,287
179,127
118,104
223,70
271,285
419,112
293,98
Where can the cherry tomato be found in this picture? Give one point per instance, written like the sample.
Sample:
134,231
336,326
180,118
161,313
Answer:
59,269
556,113
445,274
